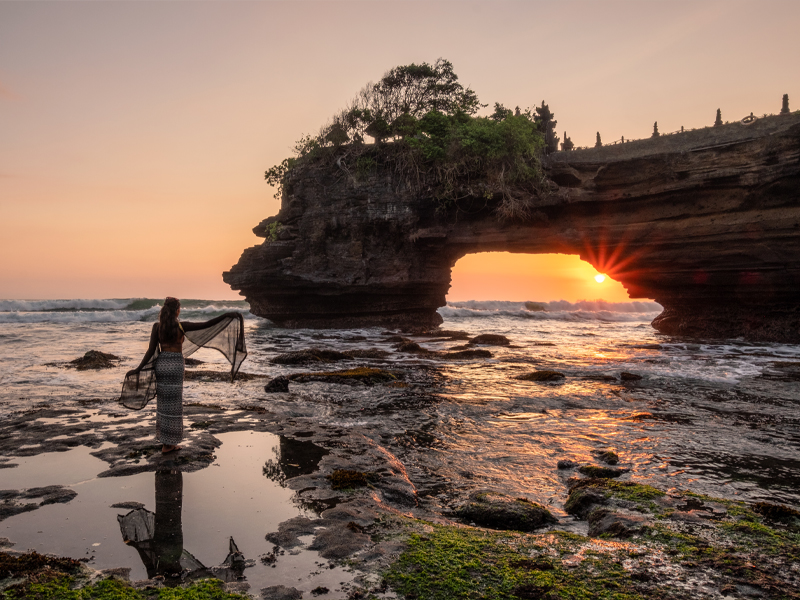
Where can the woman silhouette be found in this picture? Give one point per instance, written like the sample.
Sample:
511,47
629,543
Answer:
160,373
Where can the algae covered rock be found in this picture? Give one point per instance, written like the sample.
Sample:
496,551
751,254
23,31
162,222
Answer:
467,354
360,375
625,376
278,385
615,524
490,339
498,511
609,457
309,356
582,501
281,592
601,472
777,512
94,359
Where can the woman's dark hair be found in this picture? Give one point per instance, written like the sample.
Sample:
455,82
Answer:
168,330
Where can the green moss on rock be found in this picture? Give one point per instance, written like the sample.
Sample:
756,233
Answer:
49,578
609,457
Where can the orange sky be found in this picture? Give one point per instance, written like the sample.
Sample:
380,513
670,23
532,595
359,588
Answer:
135,135
538,277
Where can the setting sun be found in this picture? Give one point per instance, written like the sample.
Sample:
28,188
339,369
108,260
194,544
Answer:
540,277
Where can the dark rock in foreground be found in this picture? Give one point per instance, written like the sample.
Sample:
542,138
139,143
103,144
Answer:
94,359
14,502
277,385
625,376
490,339
498,511
281,592
541,376
360,375
609,457
601,472
615,524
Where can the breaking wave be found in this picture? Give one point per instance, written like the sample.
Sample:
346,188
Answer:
559,310
113,310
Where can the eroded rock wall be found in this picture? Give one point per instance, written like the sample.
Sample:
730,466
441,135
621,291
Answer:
707,224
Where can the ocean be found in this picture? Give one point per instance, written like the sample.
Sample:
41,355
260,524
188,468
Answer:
717,416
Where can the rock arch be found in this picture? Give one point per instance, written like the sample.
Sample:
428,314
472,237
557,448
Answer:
705,222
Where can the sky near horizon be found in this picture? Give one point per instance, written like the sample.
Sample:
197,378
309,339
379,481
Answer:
134,136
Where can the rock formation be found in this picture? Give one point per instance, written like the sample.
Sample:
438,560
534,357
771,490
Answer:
705,222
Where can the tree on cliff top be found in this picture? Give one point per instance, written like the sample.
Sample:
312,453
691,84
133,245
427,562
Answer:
439,147
402,96
546,122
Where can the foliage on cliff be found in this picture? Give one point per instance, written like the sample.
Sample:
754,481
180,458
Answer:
427,135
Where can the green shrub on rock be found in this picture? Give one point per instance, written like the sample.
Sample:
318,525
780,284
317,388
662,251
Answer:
427,135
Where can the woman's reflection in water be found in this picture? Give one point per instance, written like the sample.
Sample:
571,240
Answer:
168,534
159,538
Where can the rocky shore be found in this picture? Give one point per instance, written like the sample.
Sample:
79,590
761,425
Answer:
370,507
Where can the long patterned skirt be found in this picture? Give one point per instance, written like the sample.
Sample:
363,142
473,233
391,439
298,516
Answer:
169,395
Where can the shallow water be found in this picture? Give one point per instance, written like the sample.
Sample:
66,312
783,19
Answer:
719,417
230,498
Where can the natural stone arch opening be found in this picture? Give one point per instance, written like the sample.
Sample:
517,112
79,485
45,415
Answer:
520,277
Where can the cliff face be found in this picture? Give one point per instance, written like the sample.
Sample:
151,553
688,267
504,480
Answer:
707,223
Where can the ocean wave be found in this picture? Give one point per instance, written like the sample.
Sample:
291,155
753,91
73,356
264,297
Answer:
451,312
110,316
83,316
560,310
110,310
561,306
63,305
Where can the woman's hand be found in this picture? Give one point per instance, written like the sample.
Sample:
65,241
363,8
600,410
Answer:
132,372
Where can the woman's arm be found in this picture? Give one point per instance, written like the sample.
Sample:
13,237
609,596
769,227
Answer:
190,326
151,349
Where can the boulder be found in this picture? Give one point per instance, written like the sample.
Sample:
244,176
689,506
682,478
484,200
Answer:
583,500
541,376
490,339
601,472
609,457
625,376
309,356
278,385
94,359
281,592
615,524
498,511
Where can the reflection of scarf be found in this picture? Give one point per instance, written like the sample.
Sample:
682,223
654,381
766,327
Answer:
227,336
159,537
